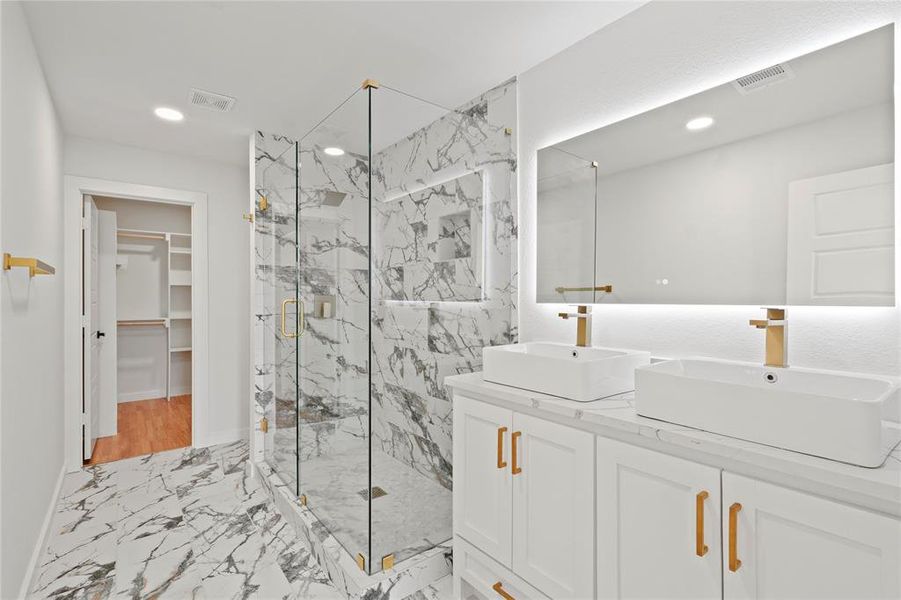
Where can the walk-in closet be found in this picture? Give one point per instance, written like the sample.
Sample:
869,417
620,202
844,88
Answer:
137,346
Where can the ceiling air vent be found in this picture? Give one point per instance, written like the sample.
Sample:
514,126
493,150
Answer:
211,100
763,78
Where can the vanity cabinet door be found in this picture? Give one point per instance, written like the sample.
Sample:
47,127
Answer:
553,507
482,477
789,544
658,525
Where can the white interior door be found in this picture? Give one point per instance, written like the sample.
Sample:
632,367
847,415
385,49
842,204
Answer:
107,335
841,238
90,322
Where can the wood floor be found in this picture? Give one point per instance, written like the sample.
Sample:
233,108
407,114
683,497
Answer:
146,426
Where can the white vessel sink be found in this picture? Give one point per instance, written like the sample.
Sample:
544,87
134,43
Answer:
571,372
824,413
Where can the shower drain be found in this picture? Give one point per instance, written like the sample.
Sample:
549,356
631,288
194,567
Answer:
377,492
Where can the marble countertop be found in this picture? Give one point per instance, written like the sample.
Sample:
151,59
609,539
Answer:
877,489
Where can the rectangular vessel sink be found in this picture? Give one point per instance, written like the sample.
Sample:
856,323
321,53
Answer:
829,414
570,372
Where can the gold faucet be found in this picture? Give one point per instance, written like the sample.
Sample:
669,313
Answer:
583,328
776,338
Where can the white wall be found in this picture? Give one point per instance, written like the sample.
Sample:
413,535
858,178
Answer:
660,53
31,310
226,188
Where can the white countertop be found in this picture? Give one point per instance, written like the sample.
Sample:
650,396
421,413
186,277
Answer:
877,489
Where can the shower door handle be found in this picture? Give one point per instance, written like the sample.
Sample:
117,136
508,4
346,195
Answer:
302,319
285,304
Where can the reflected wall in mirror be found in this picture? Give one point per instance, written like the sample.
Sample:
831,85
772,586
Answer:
776,188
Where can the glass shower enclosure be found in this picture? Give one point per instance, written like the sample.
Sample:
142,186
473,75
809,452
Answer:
340,357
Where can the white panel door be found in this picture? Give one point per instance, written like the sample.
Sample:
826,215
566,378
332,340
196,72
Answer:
658,526
482,484
90,328
106,284
553,507
841,238
793,545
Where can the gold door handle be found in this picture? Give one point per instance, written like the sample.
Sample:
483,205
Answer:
700,546
499,588
734,563
302,318
515,468
285,304
501,463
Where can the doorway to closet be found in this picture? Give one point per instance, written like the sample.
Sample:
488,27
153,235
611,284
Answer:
137,304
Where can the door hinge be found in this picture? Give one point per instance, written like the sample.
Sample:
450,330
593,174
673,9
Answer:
248,217
264,425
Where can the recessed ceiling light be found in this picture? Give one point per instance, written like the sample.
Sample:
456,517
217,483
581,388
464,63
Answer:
332,151
699,123
168,114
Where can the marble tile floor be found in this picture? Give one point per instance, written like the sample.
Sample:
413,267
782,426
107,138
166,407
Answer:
414,515
187,523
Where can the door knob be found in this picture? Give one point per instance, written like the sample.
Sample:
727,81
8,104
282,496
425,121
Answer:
100,334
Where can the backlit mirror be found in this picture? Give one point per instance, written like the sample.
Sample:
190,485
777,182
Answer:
775,188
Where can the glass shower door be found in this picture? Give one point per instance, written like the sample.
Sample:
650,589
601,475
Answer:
334,287
275,224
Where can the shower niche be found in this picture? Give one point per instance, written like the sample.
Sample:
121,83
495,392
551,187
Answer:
385,261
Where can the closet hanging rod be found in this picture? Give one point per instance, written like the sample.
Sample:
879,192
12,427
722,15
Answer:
140,322
145,236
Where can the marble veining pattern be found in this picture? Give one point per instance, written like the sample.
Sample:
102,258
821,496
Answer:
188,523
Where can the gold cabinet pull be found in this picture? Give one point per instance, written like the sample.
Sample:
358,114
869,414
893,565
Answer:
734,563
499,588
700,546
515,468
285,304
501,463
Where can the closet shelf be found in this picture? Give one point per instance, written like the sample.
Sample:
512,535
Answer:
180,349
180,314
179,250
141,322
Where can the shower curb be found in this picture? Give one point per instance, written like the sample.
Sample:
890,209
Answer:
406,578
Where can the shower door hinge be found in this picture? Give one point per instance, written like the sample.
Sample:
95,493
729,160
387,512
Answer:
361,562
248,217
387,562
508,131
303,499
264,425
264,203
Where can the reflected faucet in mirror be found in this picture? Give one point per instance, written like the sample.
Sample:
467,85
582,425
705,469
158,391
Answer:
776,338
583,328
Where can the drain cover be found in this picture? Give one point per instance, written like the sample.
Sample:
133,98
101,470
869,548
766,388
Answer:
377,492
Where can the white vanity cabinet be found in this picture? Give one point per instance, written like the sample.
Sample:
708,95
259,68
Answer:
658,525
524,495
780,543
548,510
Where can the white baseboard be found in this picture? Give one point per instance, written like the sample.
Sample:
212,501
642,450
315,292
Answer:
150,394
225,437
41,542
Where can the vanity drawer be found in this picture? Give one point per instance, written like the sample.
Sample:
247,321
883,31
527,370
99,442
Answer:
479,577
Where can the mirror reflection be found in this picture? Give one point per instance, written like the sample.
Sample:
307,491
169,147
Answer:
774,188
